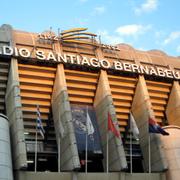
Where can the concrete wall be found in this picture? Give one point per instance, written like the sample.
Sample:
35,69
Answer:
15,116
63,124
103,104
5,39
173,106
5,150
142,110
89,176
5,35
171,145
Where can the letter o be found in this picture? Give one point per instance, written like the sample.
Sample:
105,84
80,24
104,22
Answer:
105,64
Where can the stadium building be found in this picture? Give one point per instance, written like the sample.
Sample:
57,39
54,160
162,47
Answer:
67,105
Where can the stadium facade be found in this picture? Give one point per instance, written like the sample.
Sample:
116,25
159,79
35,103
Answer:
73,77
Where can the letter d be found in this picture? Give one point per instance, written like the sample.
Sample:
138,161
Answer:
7,50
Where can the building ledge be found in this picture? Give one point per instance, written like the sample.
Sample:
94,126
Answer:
25,175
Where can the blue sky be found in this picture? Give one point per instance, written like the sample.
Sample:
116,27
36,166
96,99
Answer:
144,24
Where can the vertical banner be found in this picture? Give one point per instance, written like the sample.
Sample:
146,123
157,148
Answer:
82,118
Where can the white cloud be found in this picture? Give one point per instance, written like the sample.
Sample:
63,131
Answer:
132,29
83,1
109,39
99,10
178,49
173,36
141,48
127,33
159,34
148,6
81,21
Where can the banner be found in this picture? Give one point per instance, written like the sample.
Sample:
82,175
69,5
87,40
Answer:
83,116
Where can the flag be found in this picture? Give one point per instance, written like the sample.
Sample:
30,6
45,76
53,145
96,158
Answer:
89,125
89,131
154,127
111,127
133,127
39,123
62,131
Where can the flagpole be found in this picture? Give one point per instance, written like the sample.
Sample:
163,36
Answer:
149,150
59,154
107,152
35,165
131,147
86,155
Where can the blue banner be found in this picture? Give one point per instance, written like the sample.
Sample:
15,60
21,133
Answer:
84,121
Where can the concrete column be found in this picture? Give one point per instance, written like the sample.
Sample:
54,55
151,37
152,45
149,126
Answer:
5,150
5,35
142,110
171,145
173,105
103,104
15,116
63,124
